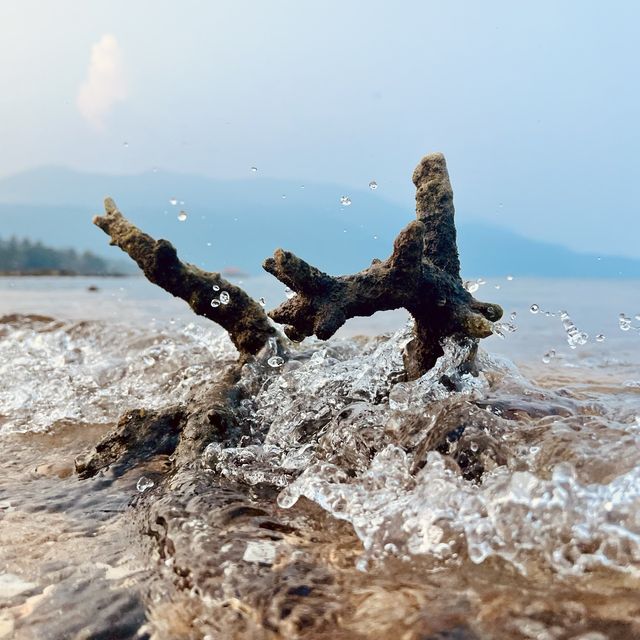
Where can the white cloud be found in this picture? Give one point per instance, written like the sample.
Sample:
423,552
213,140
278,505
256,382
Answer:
105,84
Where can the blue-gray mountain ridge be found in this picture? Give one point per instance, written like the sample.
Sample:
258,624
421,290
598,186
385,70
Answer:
239,223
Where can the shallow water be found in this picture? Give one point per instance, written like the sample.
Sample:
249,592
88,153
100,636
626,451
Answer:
353,505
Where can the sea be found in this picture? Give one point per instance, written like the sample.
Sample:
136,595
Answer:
357,505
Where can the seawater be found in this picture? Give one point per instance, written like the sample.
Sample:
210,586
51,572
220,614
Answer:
504,507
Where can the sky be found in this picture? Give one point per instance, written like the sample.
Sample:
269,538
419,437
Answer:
535,104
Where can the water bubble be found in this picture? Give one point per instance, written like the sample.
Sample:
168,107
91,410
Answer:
144,483
224,297
254,169
182,216
173,201
373,185
600,337
534,308
289,293
215,303
345,201
262,302
275,361
216,287
509,278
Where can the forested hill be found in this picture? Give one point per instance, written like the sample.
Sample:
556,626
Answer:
24,257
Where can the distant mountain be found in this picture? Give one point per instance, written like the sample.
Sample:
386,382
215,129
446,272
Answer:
236,224
23,257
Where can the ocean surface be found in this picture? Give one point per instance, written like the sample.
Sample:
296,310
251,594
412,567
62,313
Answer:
364,507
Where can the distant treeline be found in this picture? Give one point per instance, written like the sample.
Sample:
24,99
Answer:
25,257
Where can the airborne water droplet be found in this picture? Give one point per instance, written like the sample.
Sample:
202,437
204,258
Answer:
182,216
262,302
289,293
373,185
275,361
600,337
216,287
215,303
534,308
509,278
345,201
224,297
173,201
254,169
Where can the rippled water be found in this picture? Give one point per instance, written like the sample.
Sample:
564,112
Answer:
350,504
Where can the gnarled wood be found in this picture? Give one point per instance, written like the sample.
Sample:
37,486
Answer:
422,275
243,318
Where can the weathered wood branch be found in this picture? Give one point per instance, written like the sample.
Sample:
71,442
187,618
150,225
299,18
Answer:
242,317
422,275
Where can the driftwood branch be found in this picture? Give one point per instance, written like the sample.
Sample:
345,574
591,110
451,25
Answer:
422,275
242,317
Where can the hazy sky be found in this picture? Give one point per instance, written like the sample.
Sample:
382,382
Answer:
535,104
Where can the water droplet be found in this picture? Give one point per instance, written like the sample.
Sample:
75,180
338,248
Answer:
497,286
534,308
154,169
624,322
302,186
513,315
125,144
262,302
182,216
254,169
215,303
509,278
473,446
216,287
373,185
289,293
344,231
144,483
470,286
208,244
275,361
284,197
600,337
481,281
224,297
173,201
345,201
501,204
